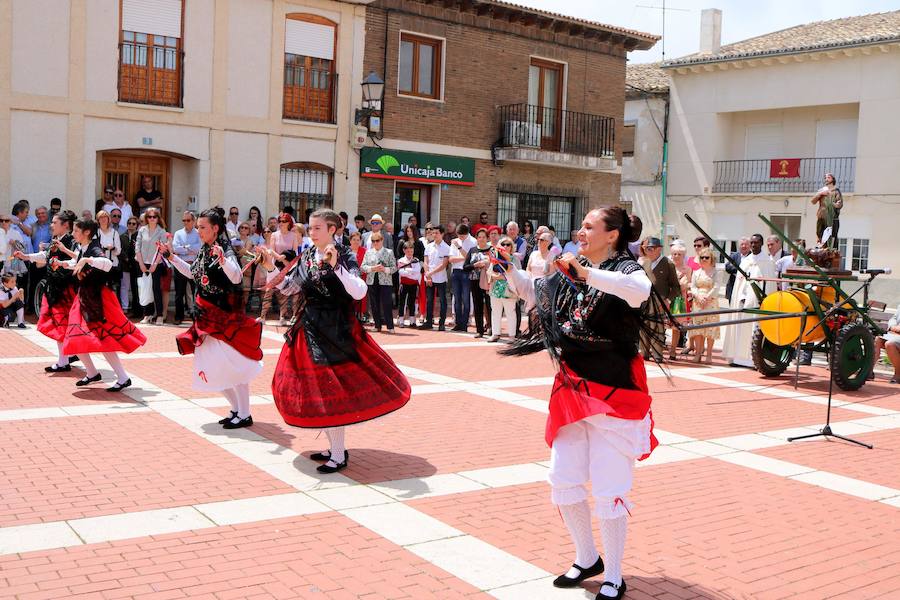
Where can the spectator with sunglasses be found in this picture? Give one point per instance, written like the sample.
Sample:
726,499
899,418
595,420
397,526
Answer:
503,299
700,242
149,261
233,222
117,202
705,294
284,242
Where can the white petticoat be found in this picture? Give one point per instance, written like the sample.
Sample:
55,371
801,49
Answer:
628,436
218,366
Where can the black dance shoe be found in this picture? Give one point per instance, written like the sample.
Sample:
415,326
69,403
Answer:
326,469
584,573
620,591
55,368
242,423
326,456
87,380
228,418
118,387
73,359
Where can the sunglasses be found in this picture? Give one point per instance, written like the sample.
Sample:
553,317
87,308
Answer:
151,217
108,192
186,221
508,245
120,195
376,241
283,221
132,222
375,222
698,245
705,258
4,220
234,214
116,216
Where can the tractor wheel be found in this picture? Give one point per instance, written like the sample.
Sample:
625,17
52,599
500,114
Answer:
851,357
39,290
769,359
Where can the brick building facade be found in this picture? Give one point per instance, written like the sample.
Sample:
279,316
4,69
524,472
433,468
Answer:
533,100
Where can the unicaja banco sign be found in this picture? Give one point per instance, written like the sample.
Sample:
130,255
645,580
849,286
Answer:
415,166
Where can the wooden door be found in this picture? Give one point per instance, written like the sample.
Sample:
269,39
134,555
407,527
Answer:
545,87
124,171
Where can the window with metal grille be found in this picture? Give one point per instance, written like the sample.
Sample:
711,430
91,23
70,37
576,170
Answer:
563,213
150,52
305,186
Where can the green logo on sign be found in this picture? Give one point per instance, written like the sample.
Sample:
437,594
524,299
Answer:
386,162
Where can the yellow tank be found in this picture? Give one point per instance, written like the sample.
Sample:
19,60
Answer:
828,296
784,332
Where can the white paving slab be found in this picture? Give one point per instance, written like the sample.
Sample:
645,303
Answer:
302,476
508,475
765,464
848,485
426,487
39,536
262,452
350,496
139,524
895,501
668,454
749,441
667,437
247,510
27,414
540,589
477,563
401,524
704,448
430,388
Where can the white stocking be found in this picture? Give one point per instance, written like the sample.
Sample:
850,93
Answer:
88,363
578,520
336,439
20,315
243,400
116,363
62,359
613,532
231,395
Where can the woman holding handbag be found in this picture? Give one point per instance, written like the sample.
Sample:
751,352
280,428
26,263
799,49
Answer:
378,265
410,269
147,259
477,262
502,297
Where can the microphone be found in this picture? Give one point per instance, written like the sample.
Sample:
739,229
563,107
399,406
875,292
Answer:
885,271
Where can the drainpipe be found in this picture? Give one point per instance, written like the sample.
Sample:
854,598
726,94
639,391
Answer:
665,174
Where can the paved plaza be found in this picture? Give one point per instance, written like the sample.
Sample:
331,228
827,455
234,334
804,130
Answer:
142,495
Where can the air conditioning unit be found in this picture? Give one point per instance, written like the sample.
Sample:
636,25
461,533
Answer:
523,133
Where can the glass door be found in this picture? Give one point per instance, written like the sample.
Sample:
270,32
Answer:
545,81
411,200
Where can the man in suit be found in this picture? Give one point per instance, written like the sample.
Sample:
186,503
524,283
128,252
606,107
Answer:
744,250
664,277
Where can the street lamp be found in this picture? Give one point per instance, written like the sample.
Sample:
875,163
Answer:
372,99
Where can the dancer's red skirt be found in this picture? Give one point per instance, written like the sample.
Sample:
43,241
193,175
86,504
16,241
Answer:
317,395
54,319
114,334
241,332
575,398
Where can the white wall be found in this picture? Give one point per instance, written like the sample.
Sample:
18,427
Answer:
249,57
649,115
198,55
245,170
38,149
102,50
40,47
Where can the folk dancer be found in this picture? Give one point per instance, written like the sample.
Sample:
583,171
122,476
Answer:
331,373
588,316
96,322
225,341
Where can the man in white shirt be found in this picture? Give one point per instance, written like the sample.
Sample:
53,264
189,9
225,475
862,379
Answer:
119,204
186,245
736,346
234,220
437,255
460,283
573,244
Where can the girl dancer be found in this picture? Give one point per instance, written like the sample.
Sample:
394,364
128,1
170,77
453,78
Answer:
223,339
60,291
587,315
96,321
330,373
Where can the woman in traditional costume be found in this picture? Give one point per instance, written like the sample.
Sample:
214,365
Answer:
60,291
331,373
588,316
225,341
96,322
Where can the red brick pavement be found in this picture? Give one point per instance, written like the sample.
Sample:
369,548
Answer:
690,536
474,363
879,465
28,386
12,344
434,433
317,556
55,469
814,381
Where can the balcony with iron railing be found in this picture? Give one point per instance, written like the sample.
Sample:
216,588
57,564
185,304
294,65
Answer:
150,70
782,175
565,138
309,94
